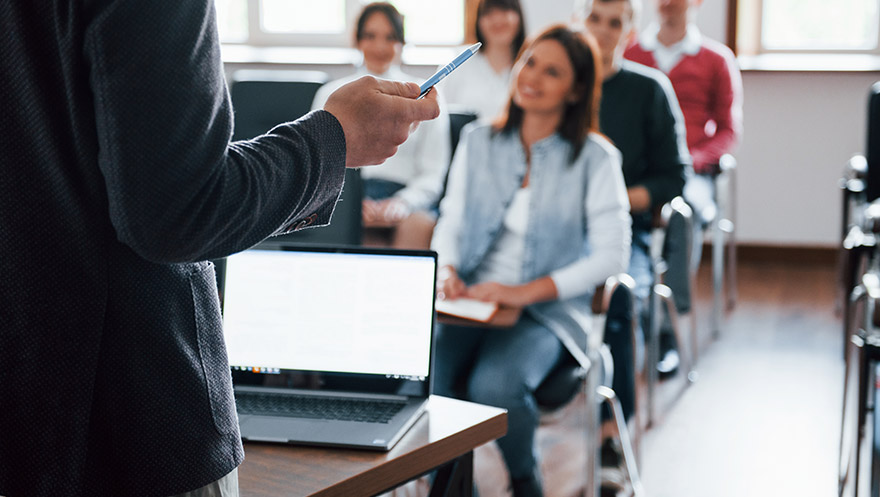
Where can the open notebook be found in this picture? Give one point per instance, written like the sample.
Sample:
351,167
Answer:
475,310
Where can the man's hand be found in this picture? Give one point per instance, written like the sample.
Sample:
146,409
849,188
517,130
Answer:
639,198
377,116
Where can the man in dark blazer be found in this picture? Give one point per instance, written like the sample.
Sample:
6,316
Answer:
118,181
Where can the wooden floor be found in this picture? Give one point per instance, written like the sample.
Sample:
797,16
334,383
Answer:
763,418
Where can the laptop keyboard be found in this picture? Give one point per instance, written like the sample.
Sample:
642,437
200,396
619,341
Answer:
296,406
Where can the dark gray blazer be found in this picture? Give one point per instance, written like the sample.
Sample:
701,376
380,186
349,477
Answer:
116,178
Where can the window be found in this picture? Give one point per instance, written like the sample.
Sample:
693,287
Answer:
330,22
808,26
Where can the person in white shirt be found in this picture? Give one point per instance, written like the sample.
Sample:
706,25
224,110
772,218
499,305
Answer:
402,193
482,85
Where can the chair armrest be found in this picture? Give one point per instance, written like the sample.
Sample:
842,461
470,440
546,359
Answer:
855,174
602,296
727,163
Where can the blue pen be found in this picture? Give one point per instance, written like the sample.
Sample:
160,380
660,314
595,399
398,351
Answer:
448,68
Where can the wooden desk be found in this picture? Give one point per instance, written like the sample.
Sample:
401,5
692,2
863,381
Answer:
450,430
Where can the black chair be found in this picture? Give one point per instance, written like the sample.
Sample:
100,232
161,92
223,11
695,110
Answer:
671,297
872,189
860,284
860,387
723,234
262,99
854,245
571,377
457,121
858,186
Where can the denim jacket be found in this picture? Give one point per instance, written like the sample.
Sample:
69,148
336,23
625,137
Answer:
577,252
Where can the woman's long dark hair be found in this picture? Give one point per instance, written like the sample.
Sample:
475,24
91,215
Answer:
581,116
388,10
483,6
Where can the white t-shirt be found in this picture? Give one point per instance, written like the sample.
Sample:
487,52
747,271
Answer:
503,263
476,87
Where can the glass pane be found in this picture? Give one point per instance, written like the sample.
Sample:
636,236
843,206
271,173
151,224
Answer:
820,24
440,22
232,20
303,16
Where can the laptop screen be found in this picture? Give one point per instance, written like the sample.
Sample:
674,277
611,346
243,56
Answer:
343,312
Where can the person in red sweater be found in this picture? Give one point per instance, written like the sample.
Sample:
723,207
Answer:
708,85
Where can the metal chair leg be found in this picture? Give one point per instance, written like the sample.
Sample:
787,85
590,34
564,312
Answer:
664,294
608,396
717,277
853,348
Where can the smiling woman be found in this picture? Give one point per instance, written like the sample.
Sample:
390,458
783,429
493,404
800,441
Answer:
513,231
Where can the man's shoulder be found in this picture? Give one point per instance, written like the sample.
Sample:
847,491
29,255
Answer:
716,50
643,76
636,52
642,84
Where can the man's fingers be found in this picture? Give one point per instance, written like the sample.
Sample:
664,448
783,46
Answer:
427,108
398,88
419,110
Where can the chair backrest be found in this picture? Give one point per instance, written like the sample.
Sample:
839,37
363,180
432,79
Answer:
676,223
566,379
262,99
457,121
873,148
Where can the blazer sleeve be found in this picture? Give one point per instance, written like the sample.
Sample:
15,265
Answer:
177,189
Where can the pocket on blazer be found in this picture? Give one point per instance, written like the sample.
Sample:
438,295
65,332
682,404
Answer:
212,348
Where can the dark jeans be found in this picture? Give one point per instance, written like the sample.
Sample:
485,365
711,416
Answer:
500,367
626,352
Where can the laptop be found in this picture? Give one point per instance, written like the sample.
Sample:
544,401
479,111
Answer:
329,346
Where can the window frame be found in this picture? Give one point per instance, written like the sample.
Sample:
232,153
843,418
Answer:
257,37
745,33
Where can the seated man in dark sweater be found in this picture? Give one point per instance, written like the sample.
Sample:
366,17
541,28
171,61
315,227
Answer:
641,116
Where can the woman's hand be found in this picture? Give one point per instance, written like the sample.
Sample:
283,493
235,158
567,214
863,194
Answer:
384,213
505,295
449,285
539,290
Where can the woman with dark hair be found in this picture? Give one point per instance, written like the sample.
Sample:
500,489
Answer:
482,85
403,193
536,216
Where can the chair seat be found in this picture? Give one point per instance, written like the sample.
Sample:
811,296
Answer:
561,385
